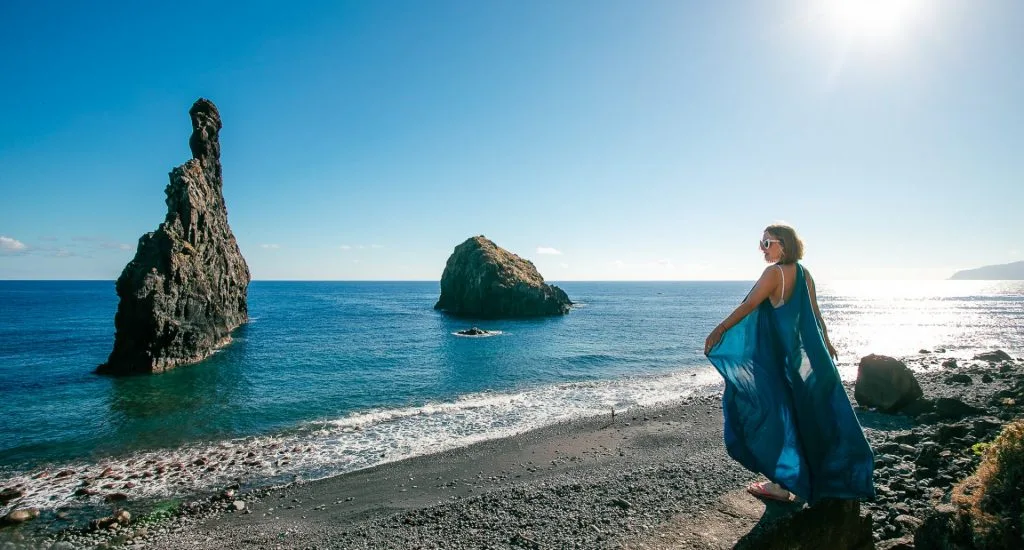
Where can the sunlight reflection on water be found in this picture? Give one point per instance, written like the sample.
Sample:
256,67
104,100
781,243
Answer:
899,318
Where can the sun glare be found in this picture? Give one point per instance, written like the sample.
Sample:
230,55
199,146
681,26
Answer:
871,20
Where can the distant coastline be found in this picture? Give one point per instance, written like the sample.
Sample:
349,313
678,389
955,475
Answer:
1002,272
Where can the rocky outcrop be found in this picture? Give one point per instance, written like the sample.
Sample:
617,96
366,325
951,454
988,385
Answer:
186,288
922,457
485,281
885,383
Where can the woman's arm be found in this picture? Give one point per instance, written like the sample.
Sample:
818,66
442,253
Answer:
763,288
817,314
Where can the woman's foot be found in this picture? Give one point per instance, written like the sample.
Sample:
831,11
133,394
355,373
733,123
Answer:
769,490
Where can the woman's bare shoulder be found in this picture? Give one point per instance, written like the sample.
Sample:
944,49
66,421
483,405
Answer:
770,275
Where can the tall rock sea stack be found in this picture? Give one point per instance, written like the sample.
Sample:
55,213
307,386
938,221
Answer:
485,281
186,288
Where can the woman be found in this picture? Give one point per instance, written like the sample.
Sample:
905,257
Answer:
787,415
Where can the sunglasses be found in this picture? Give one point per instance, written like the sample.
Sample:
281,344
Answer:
765,243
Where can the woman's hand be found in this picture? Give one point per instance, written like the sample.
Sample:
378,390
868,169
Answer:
713,339
832,350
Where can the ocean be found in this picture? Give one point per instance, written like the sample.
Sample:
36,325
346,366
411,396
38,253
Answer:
330,377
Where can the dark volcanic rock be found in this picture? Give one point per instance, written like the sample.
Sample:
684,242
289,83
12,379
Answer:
953,408
474,332
186,288
485,281
943,528
994,356
828,524
885,383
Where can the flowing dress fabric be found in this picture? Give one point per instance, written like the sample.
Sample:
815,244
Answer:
787,415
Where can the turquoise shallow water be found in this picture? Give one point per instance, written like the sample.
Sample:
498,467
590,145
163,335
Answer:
355,373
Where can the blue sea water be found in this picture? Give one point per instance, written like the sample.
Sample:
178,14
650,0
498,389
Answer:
333,376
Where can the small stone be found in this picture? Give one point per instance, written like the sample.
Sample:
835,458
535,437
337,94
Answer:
239,505
959,379
907,449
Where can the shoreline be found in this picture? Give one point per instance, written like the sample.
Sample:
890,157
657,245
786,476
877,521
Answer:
484,476
323,448
653,476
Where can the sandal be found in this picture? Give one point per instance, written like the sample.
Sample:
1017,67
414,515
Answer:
771,491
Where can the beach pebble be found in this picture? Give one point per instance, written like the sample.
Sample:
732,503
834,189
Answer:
20,515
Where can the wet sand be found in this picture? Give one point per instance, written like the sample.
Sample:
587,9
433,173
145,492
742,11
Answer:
592,483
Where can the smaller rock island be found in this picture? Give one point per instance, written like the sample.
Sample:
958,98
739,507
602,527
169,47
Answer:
485,281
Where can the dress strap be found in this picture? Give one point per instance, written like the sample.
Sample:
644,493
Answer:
782,296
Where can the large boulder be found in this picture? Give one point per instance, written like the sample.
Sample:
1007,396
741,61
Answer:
885,383
485,281
186,289
833,524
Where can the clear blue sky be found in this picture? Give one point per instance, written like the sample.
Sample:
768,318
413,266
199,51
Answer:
638,140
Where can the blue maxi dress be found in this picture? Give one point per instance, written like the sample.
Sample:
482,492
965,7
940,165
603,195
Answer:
786,413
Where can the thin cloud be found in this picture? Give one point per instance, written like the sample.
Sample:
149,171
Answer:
345,247
270,246
11,246
115,246
548,250
657,264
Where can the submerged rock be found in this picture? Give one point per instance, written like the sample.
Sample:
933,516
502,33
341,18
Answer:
485,281
474,332
10,493
186,289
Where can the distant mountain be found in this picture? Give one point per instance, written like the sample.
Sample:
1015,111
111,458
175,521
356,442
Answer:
1002,272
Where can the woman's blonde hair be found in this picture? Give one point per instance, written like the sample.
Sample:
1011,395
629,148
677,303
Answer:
792,246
